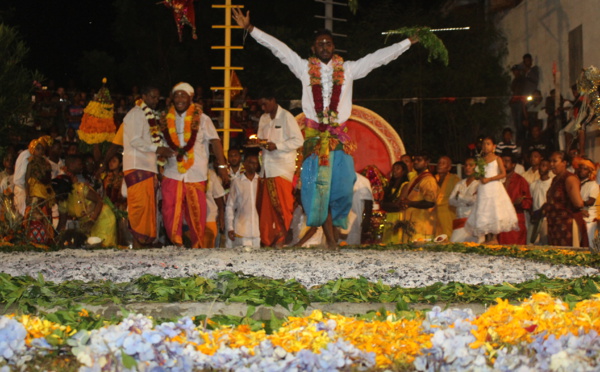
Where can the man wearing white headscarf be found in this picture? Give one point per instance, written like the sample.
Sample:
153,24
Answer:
189,134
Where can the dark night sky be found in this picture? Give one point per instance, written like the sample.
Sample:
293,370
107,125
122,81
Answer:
58,31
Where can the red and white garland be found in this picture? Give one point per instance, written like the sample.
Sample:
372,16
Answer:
329,115
153,123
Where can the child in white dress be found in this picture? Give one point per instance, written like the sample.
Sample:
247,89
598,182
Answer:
493,211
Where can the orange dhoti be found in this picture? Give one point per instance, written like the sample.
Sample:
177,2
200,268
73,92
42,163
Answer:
275,204
184,199
141,204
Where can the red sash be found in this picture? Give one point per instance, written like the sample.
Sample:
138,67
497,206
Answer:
418,180
459,223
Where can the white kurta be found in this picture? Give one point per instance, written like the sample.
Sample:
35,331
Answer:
139,152
241,215
353,70
463,198
285,133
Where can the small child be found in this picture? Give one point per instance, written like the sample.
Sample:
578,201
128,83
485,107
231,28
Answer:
240,213
493,212
112,180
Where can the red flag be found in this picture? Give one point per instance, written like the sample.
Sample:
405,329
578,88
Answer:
235,83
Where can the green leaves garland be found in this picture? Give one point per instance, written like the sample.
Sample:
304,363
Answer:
434,45
29,295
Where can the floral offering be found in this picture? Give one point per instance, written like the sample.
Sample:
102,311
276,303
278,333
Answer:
540,334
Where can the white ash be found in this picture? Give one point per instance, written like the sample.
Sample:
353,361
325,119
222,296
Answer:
408,269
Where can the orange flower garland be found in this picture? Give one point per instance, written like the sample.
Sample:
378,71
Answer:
185,154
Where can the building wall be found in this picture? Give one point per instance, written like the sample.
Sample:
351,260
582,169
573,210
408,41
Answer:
541,28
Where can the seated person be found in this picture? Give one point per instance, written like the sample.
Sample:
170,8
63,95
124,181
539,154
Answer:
96,219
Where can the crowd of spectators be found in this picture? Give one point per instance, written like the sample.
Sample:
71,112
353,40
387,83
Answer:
420,202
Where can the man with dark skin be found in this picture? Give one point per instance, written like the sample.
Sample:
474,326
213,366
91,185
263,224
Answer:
419,198
446,181
328,170
140,154
234,157
407,159
189,132
517,189
241,215
280,137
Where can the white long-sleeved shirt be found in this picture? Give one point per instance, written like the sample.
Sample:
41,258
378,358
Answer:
198,172
463,198
241,215
353,70
538,190
285,133
139,152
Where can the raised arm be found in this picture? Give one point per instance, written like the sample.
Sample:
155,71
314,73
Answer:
361,68
279,49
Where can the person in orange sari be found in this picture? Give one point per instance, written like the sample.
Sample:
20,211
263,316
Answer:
280,137
142,145
419,198
188,132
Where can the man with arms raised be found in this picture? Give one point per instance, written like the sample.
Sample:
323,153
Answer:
142,144
188,132
328,169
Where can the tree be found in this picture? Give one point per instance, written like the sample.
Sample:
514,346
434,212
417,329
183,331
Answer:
16,81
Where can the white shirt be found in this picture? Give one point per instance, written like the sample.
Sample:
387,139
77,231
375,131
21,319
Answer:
531,175
463,198
21,168
214,190
519,169
241,215
57,168
362,191
353,70
285,133
198,172
139,152
590,189
538,190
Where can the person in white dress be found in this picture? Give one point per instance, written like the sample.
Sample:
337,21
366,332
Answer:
493,212
463,198
585,170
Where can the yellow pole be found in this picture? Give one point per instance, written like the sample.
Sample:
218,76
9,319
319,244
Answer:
227,69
